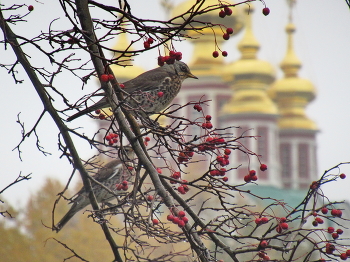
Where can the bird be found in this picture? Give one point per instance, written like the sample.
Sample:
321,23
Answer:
111,175
151,92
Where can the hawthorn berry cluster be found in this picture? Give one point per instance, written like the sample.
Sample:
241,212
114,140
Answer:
262,245
147,43
183,188
122,186
335,233
225,11
221,172
197,107
252,174
185,156
282,225
100,114
330,248
112,138
170,59
146,140
106,78
207,124
180,219
261,220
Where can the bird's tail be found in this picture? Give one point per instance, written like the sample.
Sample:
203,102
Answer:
72,211
103,103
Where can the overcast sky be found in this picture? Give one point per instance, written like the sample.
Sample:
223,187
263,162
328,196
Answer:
321,42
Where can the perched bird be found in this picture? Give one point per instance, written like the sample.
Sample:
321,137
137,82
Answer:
150,92
111,175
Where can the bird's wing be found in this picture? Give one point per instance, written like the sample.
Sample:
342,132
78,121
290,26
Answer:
146,81
109,170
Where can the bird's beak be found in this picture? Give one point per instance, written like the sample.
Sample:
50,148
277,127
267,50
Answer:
191,75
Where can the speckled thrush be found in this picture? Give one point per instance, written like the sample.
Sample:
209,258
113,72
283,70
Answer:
111,175
145,97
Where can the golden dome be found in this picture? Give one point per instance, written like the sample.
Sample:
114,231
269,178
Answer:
249,78
292,93
249,65
203,63
126,70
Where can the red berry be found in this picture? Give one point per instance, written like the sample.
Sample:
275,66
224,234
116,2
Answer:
314,223
122,85
266,11
150,40
335,235
178,56
284,226
146,45
263,167
266,258
125,187
264,220
30,8
342,176
283,219
330,229
147,139
258,221
225,179
104,78
130,168
170,217
247,178
176,175
348,252
324,210
182,213
119,186
176,220
184,219
279,229
101,116
252,172
160,94
155,221
222,14
181,223
150,198
181,189
98,111
263,243
229,31
159,170
160,61
125,183
208,117
215,54
224,53
209,125
343,256
228,11
110,77
226,36
319,220
254,178
340,231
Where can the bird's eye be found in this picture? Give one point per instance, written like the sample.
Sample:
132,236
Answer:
183,68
